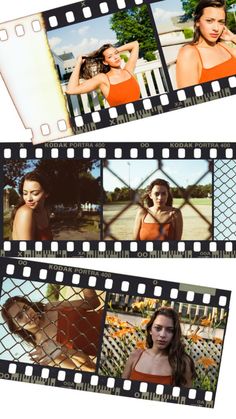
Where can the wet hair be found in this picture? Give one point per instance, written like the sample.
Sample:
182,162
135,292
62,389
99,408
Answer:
159,182
93,63
35,176
199,12
21,332
177,356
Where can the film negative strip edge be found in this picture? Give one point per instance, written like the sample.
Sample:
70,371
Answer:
16,268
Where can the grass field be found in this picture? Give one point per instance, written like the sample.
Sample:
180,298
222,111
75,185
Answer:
194,226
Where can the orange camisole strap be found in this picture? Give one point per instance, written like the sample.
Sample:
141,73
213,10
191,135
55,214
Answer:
225,69
124,92
156,231
79,329
150,378
44,234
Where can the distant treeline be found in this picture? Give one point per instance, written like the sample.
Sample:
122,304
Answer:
191,191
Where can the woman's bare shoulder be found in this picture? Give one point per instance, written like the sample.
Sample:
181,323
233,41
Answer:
25,212
141,212
188,52
135,354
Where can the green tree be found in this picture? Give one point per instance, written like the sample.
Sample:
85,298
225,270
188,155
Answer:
13,170
13,197
135,25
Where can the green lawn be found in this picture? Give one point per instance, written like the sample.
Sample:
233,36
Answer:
194,201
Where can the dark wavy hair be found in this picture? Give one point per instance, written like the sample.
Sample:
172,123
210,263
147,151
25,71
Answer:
177,356
199,12
22,333
160,182
35,176
93,63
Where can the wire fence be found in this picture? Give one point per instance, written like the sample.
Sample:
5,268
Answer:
62,324
119,215
225,200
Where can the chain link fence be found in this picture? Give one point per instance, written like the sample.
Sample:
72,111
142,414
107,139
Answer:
119,215
225,200
65,322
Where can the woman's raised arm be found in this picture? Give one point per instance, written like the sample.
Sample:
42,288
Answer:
89,302
133,48
75,88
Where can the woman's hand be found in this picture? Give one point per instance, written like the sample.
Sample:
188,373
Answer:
227,35
46,352
80,60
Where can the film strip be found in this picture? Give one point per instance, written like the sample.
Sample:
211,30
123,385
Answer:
45,46
38,300
93,200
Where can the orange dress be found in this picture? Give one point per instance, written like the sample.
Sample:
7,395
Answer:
156,231
225,69
79,329
124,92
149,378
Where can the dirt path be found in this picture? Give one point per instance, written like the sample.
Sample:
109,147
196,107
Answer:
195,228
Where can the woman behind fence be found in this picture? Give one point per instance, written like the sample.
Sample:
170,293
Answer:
30,218
62,333
157,219
102,69
164,361
208,57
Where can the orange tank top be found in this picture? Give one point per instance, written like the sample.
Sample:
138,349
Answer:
44,234
225,69
79,329
149,378
156,231
124,92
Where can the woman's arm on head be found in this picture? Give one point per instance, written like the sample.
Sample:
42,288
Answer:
130,363
187,67
138,222
178,225
229,36
89,302
133,48
24,224
75,88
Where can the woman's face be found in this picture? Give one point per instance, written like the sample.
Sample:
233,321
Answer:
112,57
159,195
33,194
212,23
24,316
162,331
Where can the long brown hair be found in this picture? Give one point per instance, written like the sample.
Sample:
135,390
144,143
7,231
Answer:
177,355
22,333
159,182
94,64
199,12
35,176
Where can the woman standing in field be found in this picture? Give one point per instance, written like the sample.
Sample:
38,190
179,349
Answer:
159,221
208,57
118,85
30,218
164,361
62,333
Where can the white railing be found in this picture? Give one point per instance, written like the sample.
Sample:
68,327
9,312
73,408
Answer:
149,75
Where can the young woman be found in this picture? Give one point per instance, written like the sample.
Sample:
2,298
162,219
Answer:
165,360
30,219
208,57
63,334
159,221
118,85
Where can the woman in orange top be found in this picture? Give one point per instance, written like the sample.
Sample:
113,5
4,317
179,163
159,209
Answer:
208,57
62,333
165,360
118,85
30,218
160,221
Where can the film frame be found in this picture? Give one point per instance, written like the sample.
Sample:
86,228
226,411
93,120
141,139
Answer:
62,124
220,159
122,285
